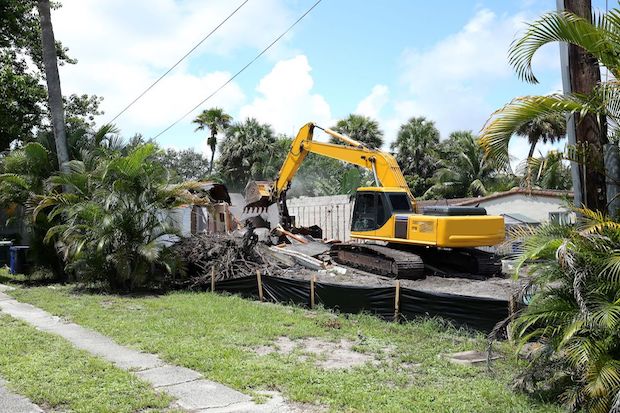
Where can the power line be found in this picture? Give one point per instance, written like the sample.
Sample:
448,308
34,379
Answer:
240,71
179,61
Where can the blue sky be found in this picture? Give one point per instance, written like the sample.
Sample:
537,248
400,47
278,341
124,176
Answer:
387,59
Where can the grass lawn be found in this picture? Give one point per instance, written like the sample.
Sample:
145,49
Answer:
55,375
218,335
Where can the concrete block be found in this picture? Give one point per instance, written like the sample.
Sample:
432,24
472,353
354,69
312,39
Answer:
168,375
205,394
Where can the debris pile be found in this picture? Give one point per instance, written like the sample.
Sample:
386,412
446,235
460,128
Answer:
224,256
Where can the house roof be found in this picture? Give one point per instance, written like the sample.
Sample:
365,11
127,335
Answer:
551,193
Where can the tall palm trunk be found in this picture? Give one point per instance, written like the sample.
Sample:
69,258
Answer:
530,155
591,133
213,145
53,84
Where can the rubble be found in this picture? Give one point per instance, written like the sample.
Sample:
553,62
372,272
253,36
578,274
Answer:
226,257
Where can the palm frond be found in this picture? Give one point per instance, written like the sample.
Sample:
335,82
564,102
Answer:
563,27
498,130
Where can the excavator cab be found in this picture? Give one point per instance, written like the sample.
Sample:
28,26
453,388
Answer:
374,206
387,214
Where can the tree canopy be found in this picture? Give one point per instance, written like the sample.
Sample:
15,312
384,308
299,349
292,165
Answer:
361,128
24,109
415,149
247,153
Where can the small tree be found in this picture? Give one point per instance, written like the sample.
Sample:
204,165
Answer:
465,171
547,172
217,121
186,164
551,127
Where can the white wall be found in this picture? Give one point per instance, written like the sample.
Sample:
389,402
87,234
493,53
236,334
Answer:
181,218
535,207
331,213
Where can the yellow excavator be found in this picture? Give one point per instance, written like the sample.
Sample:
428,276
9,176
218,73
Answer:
399,240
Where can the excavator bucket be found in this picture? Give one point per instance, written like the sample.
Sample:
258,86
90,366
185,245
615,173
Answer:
258,196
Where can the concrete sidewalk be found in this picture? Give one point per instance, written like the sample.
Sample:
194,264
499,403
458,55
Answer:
14,403
191,391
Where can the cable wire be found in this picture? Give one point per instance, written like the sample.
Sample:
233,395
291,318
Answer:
179,61
240,71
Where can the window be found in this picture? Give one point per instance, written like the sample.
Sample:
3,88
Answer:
371,211
364,213
560,217
400,202
380,211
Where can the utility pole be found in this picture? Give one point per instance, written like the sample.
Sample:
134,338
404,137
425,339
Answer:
570,120
52,78
590,133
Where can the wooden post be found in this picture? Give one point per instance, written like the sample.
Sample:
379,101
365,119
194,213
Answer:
212,279
260,285
312,281
397,301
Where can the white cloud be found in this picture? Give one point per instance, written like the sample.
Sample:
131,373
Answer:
372,104
455,81
124,46
286,100
450,82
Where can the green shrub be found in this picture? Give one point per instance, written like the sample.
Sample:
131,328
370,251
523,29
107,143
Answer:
114,223
574,313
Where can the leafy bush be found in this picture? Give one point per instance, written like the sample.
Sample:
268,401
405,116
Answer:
113,222
574,313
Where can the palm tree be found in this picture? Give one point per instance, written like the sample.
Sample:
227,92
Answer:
415,147
548,172
591,108
548,128
574,313
50,63
217,121
248,153
361,128
465,172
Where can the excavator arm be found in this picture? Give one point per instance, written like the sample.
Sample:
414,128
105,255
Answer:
384,167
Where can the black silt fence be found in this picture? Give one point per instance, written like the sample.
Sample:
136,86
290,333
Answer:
479,313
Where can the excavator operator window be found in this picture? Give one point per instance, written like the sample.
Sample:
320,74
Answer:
370,212
400,202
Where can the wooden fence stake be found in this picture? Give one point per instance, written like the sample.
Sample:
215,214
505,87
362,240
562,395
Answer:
259,279
312,281
212,279
397,301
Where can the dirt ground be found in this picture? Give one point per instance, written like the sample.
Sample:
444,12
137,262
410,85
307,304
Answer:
496,287
330,355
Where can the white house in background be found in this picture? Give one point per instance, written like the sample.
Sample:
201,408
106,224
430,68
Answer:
519,205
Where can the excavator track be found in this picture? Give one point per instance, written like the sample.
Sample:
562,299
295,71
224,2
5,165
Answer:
469,263
379,259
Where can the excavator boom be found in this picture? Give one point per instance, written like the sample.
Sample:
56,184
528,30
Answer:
387,173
